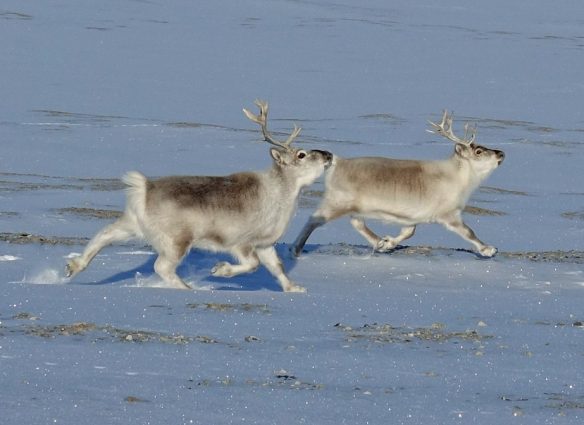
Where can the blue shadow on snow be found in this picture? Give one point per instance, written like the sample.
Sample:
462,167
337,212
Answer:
198,260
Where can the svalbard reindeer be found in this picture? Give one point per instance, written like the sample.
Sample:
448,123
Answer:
407,192
243,214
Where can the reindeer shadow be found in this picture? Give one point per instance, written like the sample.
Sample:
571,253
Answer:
198,264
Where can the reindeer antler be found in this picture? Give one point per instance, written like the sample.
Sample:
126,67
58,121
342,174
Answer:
262,120
444,129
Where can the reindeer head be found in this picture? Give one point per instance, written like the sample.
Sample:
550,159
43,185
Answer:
481,159
304,165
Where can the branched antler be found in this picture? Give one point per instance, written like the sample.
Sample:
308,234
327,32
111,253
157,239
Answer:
444,129
262,120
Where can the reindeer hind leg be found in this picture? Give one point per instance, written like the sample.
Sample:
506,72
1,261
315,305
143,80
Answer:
388,243
170,254
248,262
360,226
121,230
325,213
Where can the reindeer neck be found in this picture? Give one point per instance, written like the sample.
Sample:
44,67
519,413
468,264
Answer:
283,182
464,173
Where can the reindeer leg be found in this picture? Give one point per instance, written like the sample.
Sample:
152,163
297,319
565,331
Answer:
456,225
360,226
165,266
323,215
248,260
269,258
314,222
171,251
121,230
388,243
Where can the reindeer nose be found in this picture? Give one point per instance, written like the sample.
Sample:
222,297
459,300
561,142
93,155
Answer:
500,156
328,157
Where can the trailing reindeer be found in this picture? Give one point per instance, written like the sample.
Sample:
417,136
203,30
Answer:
243,214
407,192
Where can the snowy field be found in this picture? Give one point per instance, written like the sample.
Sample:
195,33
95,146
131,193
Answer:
428,334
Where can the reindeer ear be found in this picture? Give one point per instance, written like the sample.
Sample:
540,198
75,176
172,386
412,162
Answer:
277,155
459,149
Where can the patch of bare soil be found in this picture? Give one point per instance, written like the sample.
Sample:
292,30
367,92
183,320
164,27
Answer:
575,257
15,182
101,185
482,211
281,379
89,212
558,256
231,308
385,117
498,190
19,16
574,215
28,238
106,333
388,334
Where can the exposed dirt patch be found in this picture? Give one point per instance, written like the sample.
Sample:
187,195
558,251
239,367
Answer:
562,402
14,186
184,124
108,333
231,308
280,380
15,16
491,189
89,212
15,182
574,215
385,117
133,399
573,256
9,214
27,238
388,334
77,118
482,211
101,185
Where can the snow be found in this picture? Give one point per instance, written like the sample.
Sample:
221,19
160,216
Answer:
427,334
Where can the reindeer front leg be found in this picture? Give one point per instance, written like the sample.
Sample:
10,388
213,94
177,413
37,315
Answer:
456,225
269,258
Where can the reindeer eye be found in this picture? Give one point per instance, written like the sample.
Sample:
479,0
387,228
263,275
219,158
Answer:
301,155
478,151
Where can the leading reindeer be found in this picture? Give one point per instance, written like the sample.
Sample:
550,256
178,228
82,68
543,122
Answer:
407,192
243,214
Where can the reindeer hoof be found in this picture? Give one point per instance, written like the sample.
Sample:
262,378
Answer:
72,268
386,244
181,285
295,288
488,251
222,269
295,251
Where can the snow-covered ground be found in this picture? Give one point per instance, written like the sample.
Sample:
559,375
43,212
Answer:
427,334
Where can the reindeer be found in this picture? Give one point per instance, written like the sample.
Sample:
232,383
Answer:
407,192
243,214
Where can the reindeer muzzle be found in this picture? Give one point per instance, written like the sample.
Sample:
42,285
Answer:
327,156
